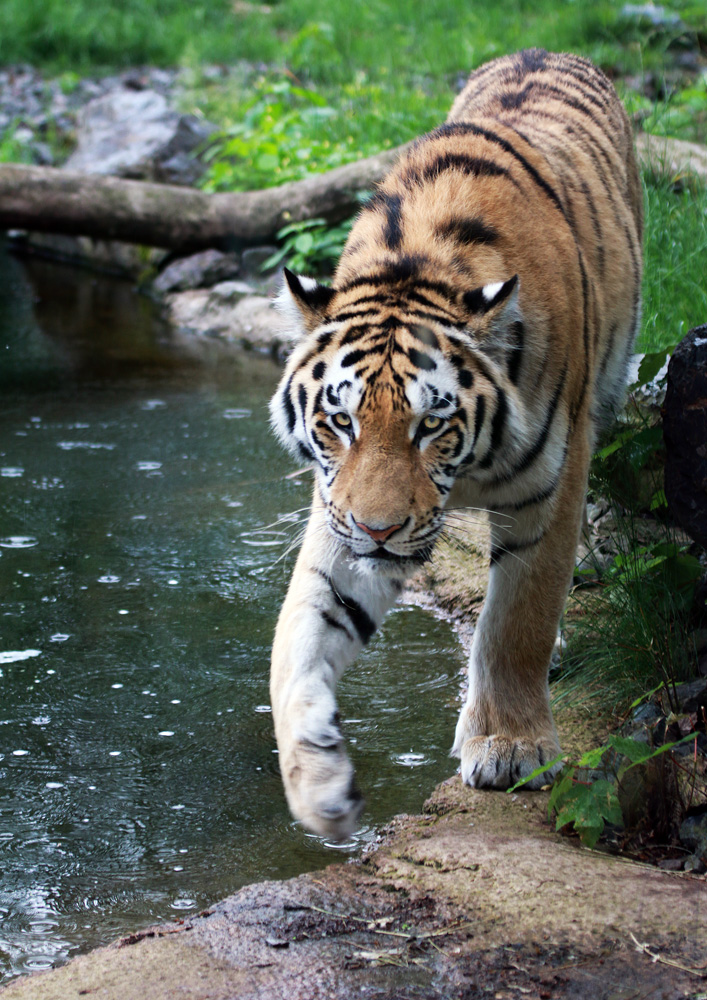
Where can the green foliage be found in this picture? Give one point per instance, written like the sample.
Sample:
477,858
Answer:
675,251
586,793
12,151
283,134
309,246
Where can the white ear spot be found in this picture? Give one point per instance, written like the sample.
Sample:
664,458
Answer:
286,304
490,292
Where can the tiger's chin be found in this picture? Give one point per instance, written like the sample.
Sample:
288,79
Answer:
381,562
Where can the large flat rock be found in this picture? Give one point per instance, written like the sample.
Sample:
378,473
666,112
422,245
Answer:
476,897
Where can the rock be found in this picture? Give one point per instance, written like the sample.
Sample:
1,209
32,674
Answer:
135,134
108,256
230,311
685,434
696,865
657,17
253,259
693,833
672,864
200,270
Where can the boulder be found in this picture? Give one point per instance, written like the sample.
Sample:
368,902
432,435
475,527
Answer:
200,270
136,134
685,434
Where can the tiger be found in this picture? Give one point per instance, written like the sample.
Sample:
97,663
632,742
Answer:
474,339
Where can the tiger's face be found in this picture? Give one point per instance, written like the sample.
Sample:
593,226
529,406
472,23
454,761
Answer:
390,413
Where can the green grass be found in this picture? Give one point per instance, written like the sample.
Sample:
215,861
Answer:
675,252
327,41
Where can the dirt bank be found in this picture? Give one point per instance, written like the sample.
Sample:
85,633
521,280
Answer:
476,897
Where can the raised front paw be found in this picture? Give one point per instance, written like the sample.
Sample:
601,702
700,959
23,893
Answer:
320,784
501,761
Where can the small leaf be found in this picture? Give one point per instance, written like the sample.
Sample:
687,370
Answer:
534,774
650,366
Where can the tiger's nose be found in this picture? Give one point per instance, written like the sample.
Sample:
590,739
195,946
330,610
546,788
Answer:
379,535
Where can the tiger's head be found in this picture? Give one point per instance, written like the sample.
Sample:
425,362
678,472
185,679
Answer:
398,386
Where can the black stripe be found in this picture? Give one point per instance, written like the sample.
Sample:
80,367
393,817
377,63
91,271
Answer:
406,269
447,316
421,360
393,230
359,617
533,452
353,357
466,128
512,100
479,417
302,400
289,408
577,404
468,231
330,620
517,331
318,371
537,498
475,166
497,426
498,551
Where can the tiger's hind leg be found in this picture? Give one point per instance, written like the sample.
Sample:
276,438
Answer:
505,729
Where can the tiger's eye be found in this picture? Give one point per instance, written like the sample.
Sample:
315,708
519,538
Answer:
432,422
342,420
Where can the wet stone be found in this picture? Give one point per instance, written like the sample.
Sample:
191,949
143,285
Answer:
200,270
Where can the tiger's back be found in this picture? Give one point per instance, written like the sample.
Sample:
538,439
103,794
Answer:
475,335
533,172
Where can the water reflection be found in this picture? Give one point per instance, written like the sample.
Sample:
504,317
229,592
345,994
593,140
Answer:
144,510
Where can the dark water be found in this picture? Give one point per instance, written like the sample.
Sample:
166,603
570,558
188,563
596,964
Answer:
139,587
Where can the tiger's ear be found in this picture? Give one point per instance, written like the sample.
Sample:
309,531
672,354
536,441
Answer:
490,297
499,320
304,301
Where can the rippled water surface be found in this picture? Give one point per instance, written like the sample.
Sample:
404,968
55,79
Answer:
140,579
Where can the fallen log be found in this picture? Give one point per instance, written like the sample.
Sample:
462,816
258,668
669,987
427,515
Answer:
50,200
45,199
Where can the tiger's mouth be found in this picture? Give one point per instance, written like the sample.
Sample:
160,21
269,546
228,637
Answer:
381,559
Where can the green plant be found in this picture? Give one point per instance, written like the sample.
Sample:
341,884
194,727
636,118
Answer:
586,794
312,245
11,149
282,135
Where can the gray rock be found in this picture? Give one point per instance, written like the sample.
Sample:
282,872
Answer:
693,833
253,259
657,16
133,133
229,311
201,270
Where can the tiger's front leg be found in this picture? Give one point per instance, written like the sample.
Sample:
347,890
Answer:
506,730
330,612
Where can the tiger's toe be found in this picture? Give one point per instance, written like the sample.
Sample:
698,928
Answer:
501,761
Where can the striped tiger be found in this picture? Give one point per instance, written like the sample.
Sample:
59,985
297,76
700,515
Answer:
474,337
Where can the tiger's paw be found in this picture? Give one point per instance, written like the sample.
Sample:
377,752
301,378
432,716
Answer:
320,786
501,761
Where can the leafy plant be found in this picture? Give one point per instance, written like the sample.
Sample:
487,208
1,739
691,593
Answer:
586,794
282,135
12,150
312,245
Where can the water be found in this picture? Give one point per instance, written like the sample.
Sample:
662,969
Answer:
139,587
